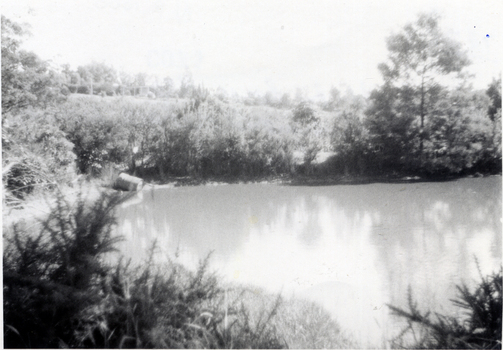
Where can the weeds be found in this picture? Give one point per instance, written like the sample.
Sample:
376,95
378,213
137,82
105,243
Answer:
51,274
480,329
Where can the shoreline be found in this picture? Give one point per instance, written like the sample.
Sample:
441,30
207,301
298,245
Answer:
36,206
303,180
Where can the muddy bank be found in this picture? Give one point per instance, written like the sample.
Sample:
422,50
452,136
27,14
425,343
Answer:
303,180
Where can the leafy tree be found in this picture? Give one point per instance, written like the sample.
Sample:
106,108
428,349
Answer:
270,100
26,79
125,78
459,133
286,101
421,59
494,93
140,79
99,76
390,129
96,131
98,73
306,124
304,114
349,136
85,73
187,85
333,100
493,148
252,99
66,72
167,88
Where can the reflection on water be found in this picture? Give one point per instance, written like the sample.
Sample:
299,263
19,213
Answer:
353,249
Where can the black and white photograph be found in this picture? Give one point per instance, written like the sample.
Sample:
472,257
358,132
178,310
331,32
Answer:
252,174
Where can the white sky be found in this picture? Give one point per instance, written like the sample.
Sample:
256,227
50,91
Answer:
259,45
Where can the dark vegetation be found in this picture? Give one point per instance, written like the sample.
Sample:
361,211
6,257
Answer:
480,328
61,288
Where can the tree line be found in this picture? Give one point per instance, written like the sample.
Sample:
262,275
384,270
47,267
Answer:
424,120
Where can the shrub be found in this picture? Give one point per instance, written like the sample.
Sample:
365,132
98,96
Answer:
36,153
96,131
481,329
83,89
53,274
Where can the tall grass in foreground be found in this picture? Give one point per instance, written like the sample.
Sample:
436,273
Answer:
479,329
61,289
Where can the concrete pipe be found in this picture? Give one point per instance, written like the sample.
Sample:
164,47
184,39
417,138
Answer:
127,182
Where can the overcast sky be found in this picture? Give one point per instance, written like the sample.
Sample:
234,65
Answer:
254,45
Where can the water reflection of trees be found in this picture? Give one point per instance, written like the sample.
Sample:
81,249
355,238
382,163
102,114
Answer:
382,237
431,243
221,217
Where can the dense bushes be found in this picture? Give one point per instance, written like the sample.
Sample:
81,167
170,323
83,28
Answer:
201,139
96,132
36,153
52,274
211,138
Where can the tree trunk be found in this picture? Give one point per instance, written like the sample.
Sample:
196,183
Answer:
421,130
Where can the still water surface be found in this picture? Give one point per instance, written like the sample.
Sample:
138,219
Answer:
351,248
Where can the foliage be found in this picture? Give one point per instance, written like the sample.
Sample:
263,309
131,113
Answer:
415,123
418,56
334,100
151,307
420,52
459,134
349,136
95,131
494,93
202,137
306,125
481,328
36,152
391,130
304,115
97,73
26,79
50,276
420,121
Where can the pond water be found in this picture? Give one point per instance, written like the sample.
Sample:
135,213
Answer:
351,248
